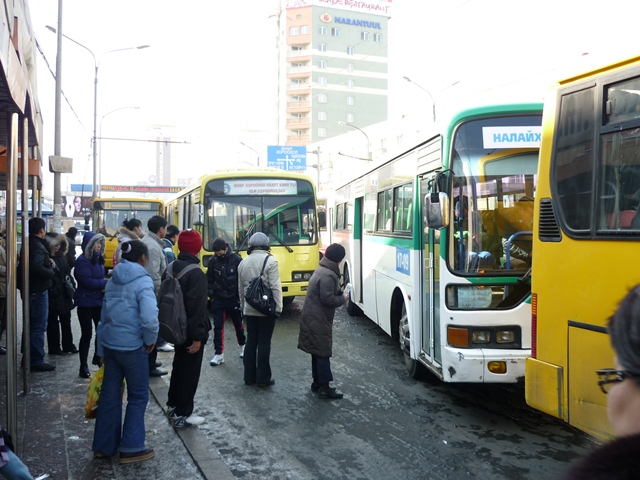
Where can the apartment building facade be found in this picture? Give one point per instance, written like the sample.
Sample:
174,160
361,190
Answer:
335,68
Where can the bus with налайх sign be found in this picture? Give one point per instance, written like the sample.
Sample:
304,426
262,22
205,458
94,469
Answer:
235,204
438,240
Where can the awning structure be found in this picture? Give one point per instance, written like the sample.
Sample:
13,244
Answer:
35,170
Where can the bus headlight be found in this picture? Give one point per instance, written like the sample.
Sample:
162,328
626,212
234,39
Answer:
505,336
481,336
301,276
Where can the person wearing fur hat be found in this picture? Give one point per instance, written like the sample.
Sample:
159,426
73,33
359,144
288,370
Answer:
257,369
187,359
324,295
89,273
60,301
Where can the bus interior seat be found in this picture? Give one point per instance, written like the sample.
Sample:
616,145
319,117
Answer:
626,219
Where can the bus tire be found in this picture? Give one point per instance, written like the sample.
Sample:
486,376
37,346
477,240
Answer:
414,367
352,309
287,300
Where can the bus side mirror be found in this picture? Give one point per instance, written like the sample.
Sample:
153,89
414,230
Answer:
197,213
436,210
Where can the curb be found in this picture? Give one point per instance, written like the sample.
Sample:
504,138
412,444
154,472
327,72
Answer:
204,455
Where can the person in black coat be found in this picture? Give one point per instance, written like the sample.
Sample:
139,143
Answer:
70,256
187,359
619,459
41,275
60,299
222,287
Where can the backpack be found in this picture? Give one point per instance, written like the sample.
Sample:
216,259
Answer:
172,316
259,296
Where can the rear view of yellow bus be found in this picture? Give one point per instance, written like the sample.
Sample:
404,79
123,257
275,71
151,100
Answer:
586,234
109,213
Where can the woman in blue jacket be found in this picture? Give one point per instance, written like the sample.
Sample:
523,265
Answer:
126,334
89,273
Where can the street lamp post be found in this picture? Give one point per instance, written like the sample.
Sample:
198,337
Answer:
251,148
96,65
433,102
317,167
363,132
100,136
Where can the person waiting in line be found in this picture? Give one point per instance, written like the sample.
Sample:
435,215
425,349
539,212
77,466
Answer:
71,248
222,280
126,334
60,299
89,273
156,267
187,360
619,459
40,281
257,369
324,295
169,241
130,229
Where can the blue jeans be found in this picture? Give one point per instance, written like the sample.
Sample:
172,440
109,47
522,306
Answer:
15,469
110,435
38,316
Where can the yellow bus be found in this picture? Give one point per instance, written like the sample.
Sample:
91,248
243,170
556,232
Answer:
586,233
109,213
234,204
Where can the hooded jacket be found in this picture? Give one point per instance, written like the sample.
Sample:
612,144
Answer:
89,272
59,302
222,277
324,295
124,235
129,316
194,291
250,268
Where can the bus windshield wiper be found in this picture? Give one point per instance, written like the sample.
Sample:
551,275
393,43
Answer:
280,241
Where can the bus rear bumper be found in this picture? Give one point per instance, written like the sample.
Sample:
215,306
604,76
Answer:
472,366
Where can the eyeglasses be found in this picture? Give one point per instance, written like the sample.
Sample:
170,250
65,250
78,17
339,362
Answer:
608,376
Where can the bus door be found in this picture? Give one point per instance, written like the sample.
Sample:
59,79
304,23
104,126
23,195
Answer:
430,343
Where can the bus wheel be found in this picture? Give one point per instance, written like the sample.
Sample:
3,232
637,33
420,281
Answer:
352,309
287,300
414,367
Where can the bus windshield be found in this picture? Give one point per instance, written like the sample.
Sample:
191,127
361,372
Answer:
108,216
494,167
281,208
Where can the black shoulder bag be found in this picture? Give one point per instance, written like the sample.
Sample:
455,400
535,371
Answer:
259,296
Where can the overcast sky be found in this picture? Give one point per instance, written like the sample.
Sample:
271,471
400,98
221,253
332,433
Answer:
198,84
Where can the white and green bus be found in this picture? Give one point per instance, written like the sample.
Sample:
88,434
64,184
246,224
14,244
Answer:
438,240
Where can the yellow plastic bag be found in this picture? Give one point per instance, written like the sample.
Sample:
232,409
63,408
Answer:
93,395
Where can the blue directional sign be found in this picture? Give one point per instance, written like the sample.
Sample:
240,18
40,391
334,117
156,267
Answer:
287,158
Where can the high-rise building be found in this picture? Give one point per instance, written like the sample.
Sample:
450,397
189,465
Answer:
333,60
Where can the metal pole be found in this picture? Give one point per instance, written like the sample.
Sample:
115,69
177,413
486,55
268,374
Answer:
94,190
11,312
57,194
26,324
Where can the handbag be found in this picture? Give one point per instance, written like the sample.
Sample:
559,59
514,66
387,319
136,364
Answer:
259,296
69,286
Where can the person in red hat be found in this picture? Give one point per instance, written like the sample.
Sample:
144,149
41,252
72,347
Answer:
187,359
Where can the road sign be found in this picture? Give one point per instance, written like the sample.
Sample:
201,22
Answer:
287,158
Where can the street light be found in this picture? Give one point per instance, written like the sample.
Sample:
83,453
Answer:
96,65
433,102
251,148
317,167
100,136
363,132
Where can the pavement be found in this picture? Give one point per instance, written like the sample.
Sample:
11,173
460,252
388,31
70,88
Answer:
55,439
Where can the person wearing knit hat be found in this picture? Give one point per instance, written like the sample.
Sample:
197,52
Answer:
258,239
190,241
324,295
187,360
